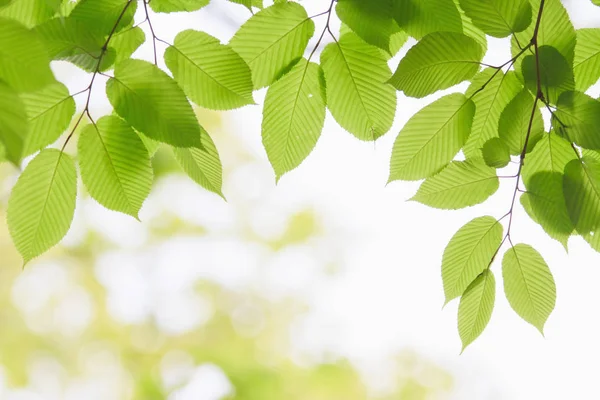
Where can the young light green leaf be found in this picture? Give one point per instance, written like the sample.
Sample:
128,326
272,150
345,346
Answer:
586,66
489,102
13,123
552,153
581,186
100,17
272,39
293,116
419,18
556,74
440,60
30,12
544,201
126,42
461,184
528,285
115,166
70,40
202,165
49,112
371,20
475,307
24,62
499,18
555,30
169,6
514,123
581,115
469,253
471,30
151,102
42,203
496,153
212,74
357,95
431,138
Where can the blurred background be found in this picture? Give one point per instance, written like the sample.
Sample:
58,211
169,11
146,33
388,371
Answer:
325,286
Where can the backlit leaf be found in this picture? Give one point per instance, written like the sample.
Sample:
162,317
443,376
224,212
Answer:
371,20
461,184
202,165
499,18
42,203
357,95
475,308
13,123
469,253
272,39
495,153
293,116
514,122
421,17
150,101
211,74
431,138
581,115
556,74
115,166
581,186
440,60
169,6
586,66
528,285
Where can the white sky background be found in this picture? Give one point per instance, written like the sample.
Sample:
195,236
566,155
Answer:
388,295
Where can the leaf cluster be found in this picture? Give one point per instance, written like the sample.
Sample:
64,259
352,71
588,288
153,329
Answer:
456,144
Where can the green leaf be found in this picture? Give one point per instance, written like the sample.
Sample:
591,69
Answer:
556,75
471,30
498,91
272,39
357,95
431,138
552,154
581,186
211,74
24,62
169,6
528,285
461,184
514,122
440,60
115,166
419,18
586,66
202,165
30,12
498,18
100,17
294,115
581,115
126,42
49,111
555,30
70,40
475,308
371,20
13,123
496,153
151,102
545,203
468,254
42,203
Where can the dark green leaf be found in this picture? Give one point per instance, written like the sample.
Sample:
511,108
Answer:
496,153
499,18
371,20
169,6
421,17
556,75
13,123
513,126
581,115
